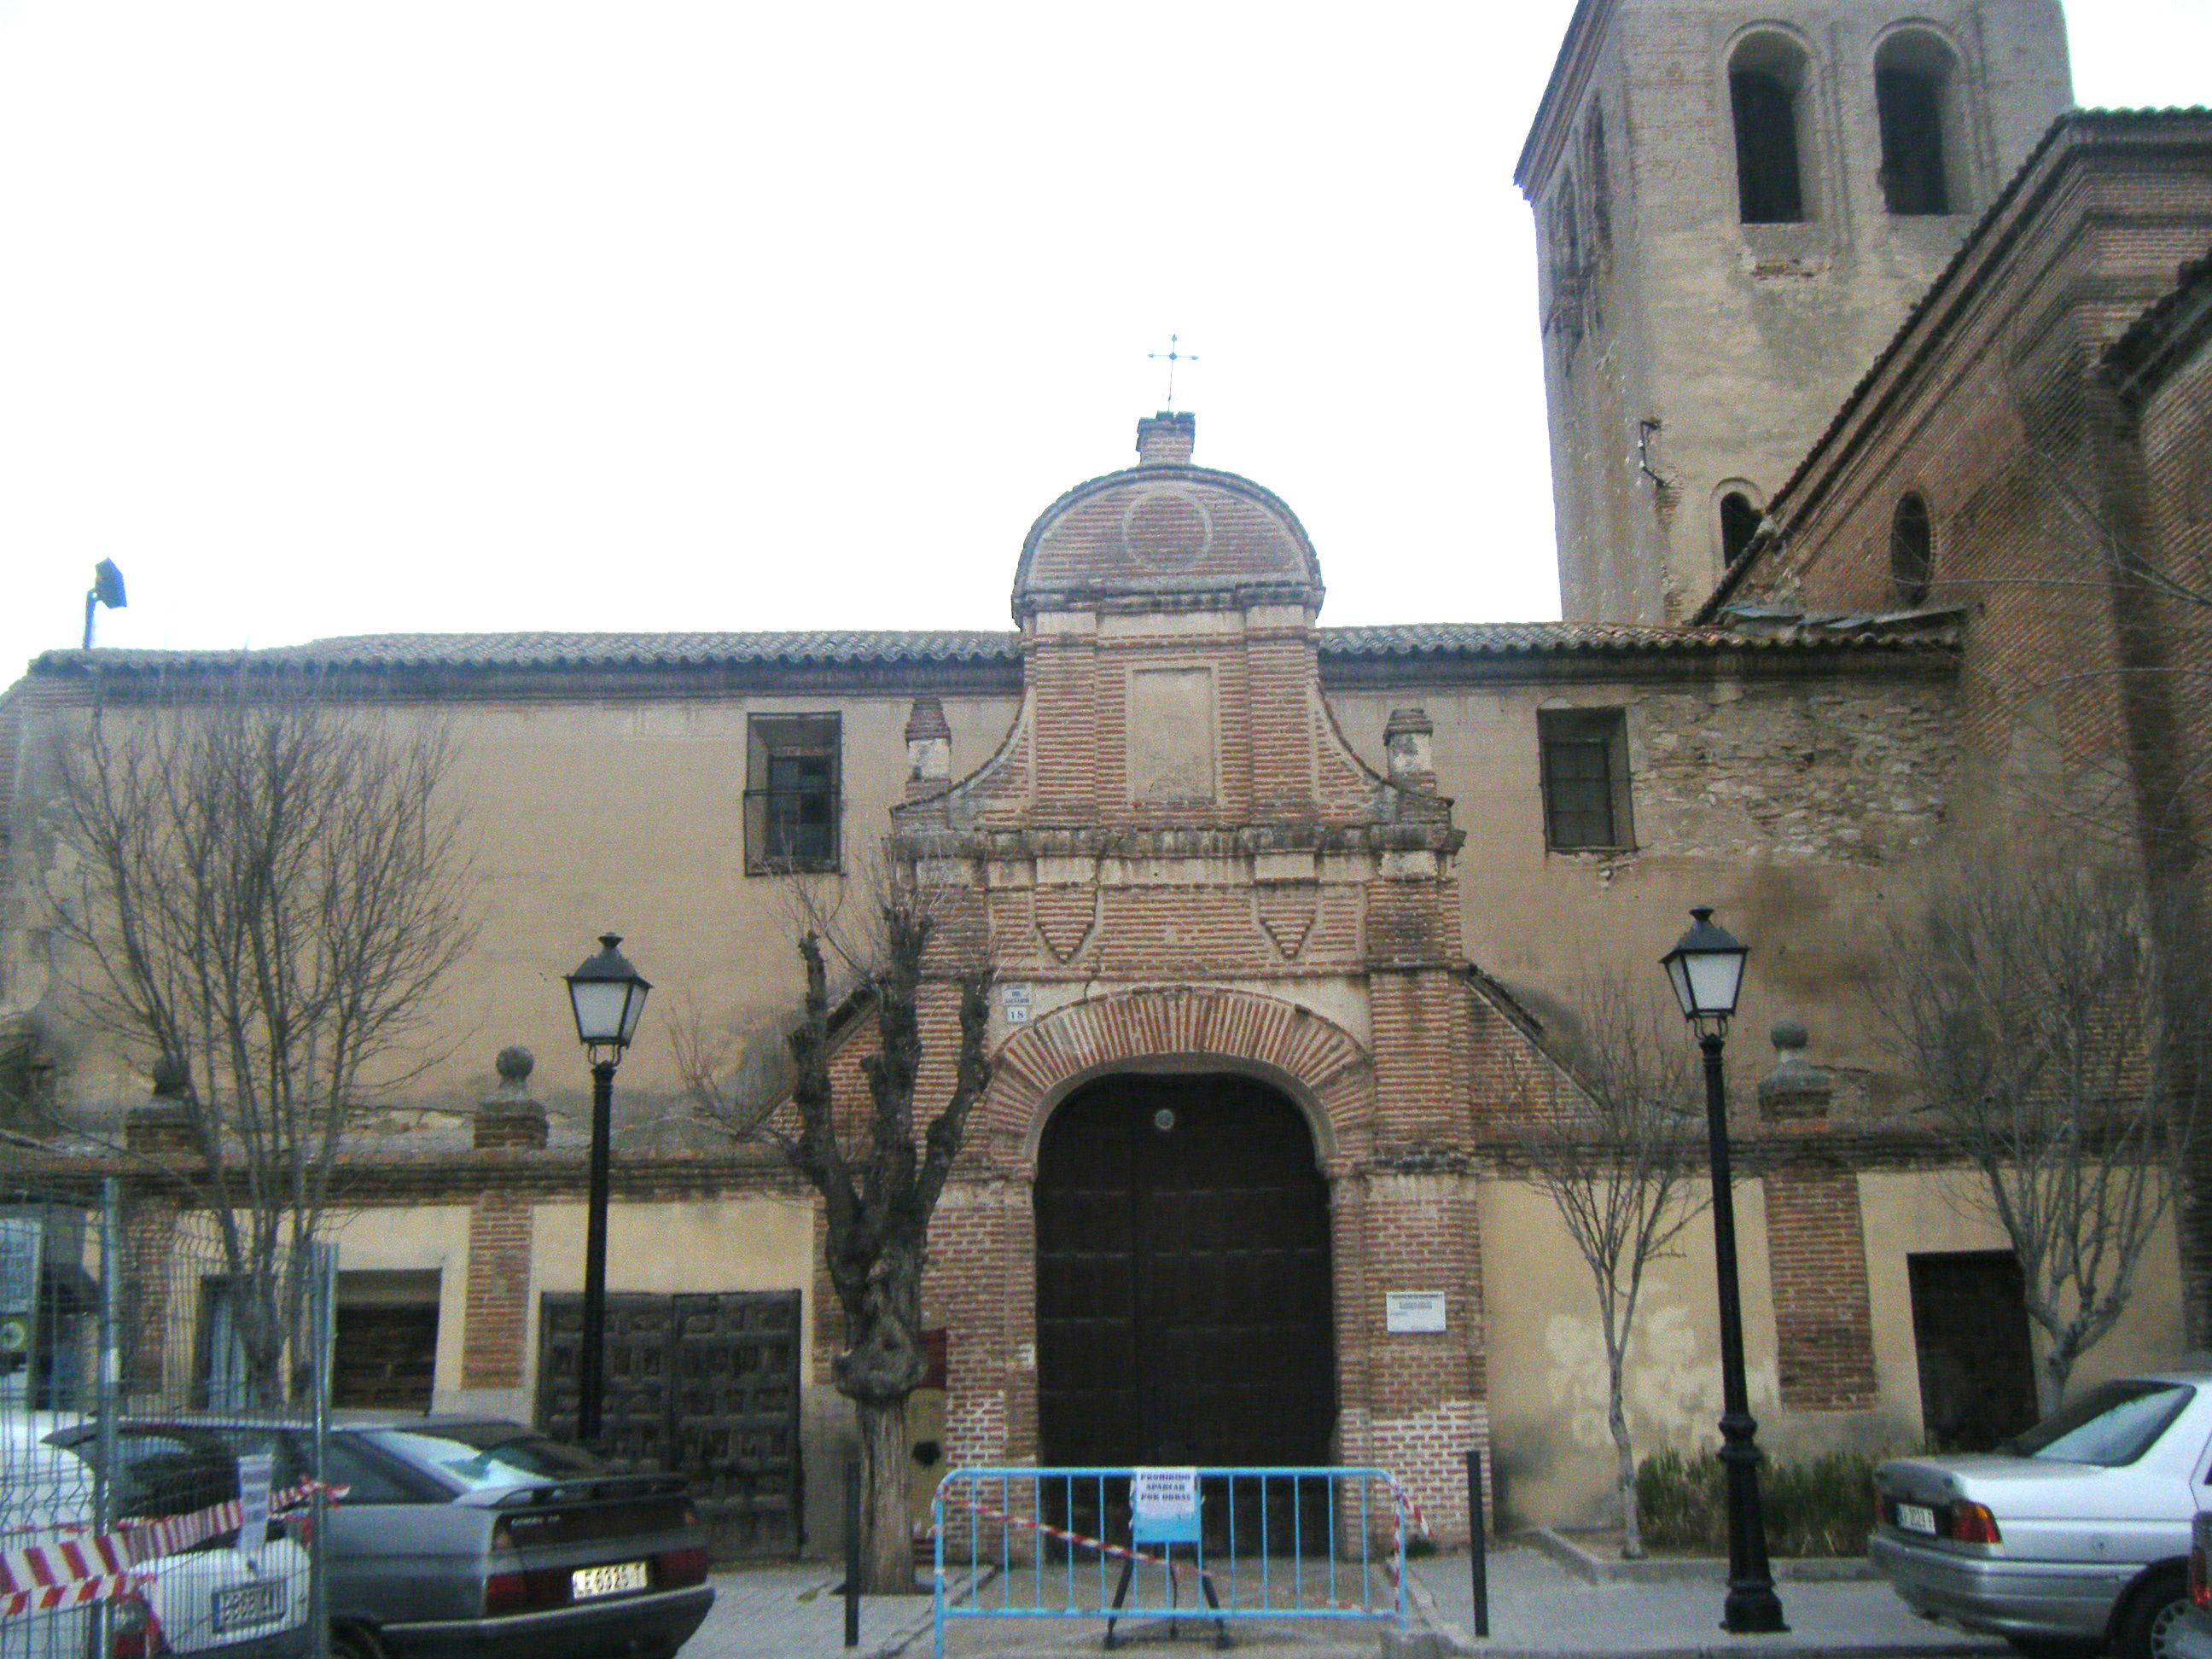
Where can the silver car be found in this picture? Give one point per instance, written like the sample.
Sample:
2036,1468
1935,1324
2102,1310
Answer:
2076,1535
461,1535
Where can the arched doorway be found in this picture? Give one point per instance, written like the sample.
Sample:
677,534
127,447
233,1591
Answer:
1183,1283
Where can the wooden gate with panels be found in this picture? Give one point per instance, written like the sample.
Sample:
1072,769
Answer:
705,1386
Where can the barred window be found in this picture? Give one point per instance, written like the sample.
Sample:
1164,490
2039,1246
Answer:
792,796
1585,779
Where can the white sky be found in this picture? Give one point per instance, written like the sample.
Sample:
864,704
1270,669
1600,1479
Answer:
434,315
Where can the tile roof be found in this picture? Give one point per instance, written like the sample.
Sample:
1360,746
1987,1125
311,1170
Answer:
409,652
400,651
1559,638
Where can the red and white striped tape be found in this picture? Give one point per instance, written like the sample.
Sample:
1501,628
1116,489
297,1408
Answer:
1413,1506
68,1571
48,1598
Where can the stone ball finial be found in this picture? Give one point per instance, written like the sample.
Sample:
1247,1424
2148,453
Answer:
1794,1089
171,1080
515,1064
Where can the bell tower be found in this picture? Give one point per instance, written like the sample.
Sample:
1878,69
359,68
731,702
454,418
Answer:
1736,205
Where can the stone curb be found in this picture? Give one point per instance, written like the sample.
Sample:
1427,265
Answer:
1592,1569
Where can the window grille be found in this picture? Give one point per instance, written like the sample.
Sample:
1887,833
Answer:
1585,779
792,809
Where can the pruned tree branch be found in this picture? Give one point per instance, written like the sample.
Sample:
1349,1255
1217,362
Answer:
2060,1047
1612,1140
269,891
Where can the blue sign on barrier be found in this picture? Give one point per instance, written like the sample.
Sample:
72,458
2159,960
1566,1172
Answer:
1164,1506
1274,1543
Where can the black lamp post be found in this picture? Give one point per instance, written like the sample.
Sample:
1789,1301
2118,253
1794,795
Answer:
609,997
1706,968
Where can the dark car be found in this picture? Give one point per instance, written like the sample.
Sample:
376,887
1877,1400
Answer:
466,1536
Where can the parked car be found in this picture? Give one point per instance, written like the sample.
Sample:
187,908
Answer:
2192,1635
2075,1535
460,1534
210,1598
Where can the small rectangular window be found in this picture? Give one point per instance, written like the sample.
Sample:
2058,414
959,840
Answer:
791,783
1585,779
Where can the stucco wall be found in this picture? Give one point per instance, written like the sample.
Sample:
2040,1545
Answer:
1547,1402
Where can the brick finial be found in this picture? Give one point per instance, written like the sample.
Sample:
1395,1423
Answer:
1167,439
510,1119
1795,1090
163,1124
1408,740
928,749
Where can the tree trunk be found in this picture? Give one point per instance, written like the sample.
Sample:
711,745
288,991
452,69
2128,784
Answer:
1616,1418
886,1545
2050,1376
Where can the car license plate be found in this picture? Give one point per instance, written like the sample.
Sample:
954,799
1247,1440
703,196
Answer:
588,1582
1917,1517
241,1605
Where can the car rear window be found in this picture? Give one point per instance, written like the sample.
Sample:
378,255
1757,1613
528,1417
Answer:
479,1456
2112,1424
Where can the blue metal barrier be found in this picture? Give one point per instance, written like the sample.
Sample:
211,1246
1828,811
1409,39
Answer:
1100,1543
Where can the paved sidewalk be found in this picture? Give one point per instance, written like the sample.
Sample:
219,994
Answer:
1538,1608
794,1612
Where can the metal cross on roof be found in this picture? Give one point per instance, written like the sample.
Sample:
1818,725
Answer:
1171,356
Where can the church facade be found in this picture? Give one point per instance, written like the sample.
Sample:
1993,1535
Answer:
1287,920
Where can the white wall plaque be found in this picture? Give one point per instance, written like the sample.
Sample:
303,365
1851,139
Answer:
1412,1310
1014,1000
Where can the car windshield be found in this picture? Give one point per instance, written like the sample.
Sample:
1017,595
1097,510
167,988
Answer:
480,1455
2112,1424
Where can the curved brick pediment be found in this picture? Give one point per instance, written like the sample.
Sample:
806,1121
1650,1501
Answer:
1321,1065
1161,533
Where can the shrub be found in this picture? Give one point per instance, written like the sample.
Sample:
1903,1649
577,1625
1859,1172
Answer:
1822,1506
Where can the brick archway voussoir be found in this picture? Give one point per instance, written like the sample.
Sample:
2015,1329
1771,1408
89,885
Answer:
1324,1066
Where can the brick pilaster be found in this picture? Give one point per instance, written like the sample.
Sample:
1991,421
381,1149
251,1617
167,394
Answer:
501,1225
1816,1256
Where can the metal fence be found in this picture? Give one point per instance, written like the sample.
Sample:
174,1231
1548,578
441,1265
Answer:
163,1396
1255,1544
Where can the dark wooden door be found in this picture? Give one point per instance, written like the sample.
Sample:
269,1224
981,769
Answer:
1183,1303
1977,1366
705,1386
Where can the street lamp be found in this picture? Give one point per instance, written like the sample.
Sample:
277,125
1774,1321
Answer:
608,996
1706,970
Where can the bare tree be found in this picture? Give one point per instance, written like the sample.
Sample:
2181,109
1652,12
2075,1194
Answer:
877,1181
1614,1143
2057,1050
269,893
